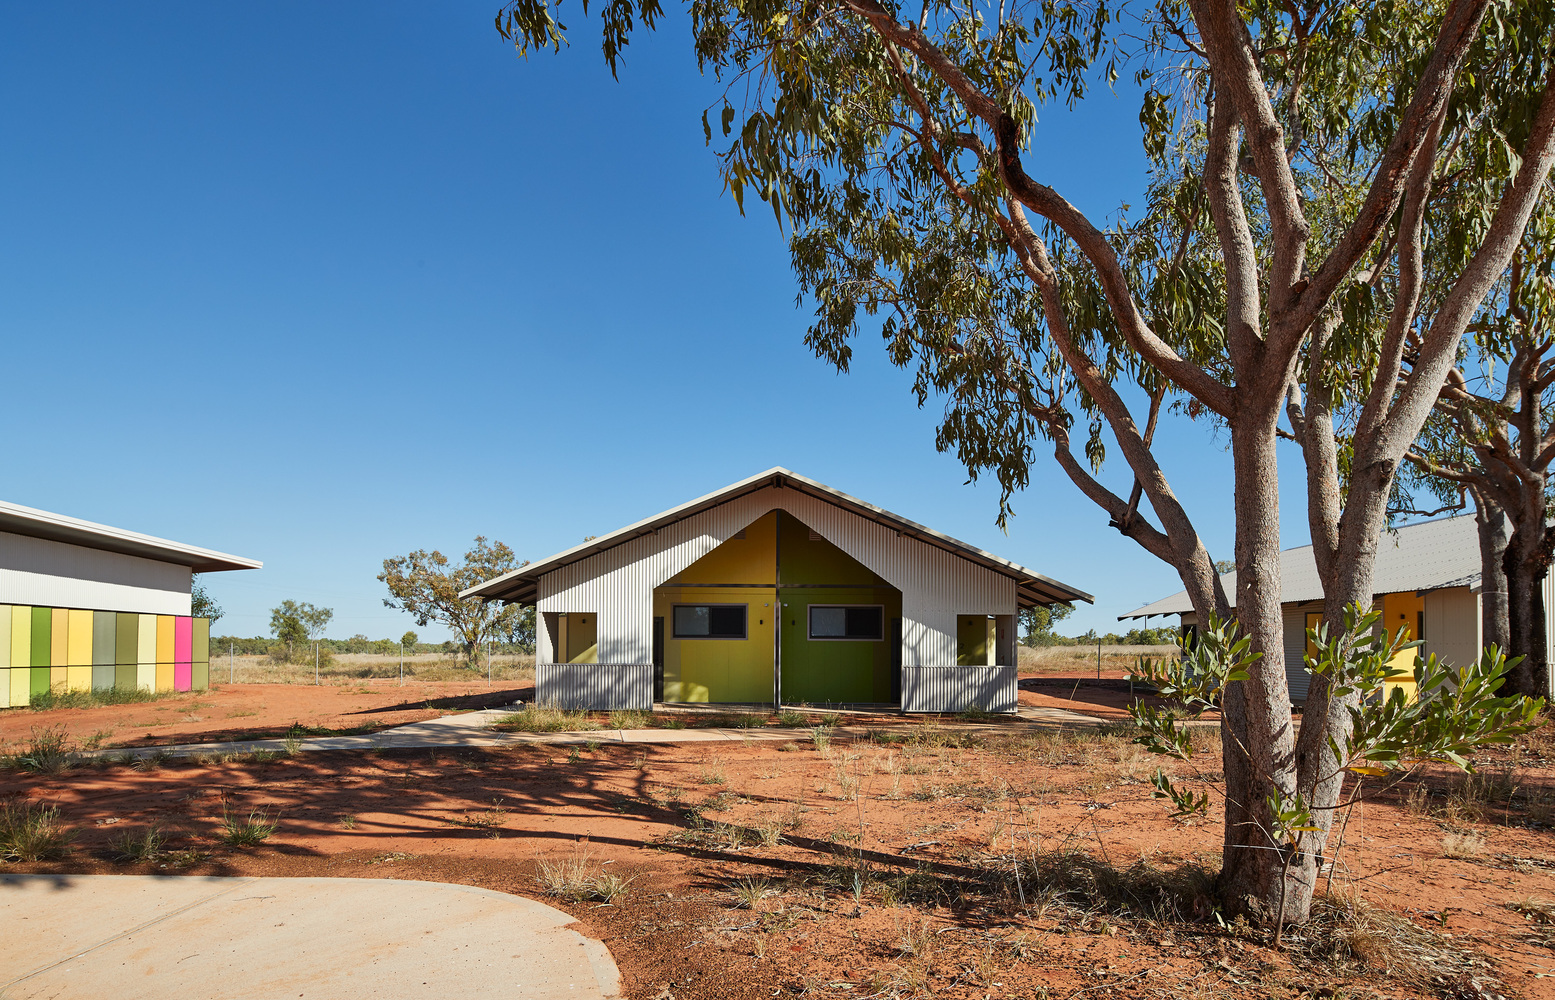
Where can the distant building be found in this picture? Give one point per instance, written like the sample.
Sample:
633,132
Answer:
87,607
777,590
1427,580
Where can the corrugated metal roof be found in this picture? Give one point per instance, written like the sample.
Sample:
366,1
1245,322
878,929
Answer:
34,523
1033,588
1425,556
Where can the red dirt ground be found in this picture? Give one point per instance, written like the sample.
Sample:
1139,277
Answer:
931,823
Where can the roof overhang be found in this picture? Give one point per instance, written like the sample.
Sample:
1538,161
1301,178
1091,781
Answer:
521,586
33,523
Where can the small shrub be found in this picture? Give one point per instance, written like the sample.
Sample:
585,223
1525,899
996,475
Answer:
1463,846
793,719
747,893
247,831
346,821
821,737
575,878
631,719
294,738
47,752
535,719
138,845
32,832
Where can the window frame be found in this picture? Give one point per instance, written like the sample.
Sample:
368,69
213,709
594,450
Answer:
745,621
810,624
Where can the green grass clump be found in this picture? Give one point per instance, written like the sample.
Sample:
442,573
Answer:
47,752
46,700
240,831
535,719
32,832
139,845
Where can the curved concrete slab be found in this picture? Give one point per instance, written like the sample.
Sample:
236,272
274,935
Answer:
181,938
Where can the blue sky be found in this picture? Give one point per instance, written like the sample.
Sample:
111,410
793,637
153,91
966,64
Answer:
323,283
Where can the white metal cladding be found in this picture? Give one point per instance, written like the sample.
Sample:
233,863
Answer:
955,689
44,573
610,687
1452,625
1294,620
617,584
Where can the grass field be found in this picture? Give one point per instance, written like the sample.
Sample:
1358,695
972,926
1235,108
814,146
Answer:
1080,661
348,668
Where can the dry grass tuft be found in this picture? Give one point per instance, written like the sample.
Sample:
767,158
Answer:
538,719
578,879
32,832
1463,846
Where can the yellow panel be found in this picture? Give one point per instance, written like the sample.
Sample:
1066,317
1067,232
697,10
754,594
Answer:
975,646
165,642
727,670
752,559
146,677
146,643
59,639
1314,619
164,677
21,682
21,636
5,638
5,683
78,678
1403,611
58,679
79,650
582,631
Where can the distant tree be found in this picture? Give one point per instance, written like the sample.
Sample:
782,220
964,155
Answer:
201,604
358,643
299,622
1225,565
1037,623
409,640
425,585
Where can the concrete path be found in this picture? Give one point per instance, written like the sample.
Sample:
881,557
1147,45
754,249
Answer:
473,729
65,937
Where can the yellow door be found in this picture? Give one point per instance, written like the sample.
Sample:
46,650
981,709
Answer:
582,642
1403,611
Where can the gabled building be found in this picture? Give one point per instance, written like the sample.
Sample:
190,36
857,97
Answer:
1427,581
85,606
777,590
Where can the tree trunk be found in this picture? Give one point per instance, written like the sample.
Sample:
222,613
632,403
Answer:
1495,625
1256,735
1526,561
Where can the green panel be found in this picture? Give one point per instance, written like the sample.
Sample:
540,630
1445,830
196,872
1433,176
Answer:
104,625
5,635
40,681
102,676
821,671
202,639
124,676
126,640
801,560
42,641
202,675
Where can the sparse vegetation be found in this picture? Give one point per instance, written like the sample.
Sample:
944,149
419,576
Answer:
245,831
31,831
138,845
46,752
577,878
537,719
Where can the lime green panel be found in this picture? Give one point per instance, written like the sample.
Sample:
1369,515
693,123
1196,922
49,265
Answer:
719,670
803,560
974,640
819,671
38,681
582,631
126,641
752,559
202,675
124,677
42,633
202,639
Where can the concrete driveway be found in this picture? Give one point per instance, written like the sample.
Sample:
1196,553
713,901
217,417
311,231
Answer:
181,938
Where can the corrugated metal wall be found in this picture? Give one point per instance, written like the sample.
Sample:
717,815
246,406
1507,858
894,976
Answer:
600,686
954,689
618,584
41,572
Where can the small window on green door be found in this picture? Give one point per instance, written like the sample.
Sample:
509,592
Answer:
844,621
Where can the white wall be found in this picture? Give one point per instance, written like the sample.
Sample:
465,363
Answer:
44,573
618,584
1452,625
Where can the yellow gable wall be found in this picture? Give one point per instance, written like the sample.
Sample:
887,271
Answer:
752,559
734,670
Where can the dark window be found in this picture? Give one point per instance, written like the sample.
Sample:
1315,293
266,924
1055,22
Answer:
709,621
847,622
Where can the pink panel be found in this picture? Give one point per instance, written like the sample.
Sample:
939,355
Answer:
183,676
183,640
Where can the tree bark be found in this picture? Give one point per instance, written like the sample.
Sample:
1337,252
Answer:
1526,561
1495,625
1256,734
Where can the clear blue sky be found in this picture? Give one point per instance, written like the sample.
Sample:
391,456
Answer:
323,283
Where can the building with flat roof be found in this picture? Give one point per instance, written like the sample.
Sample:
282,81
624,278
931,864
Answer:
86,606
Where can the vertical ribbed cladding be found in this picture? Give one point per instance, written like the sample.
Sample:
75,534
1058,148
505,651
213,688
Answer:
617,585
602,687
956,689
1294,622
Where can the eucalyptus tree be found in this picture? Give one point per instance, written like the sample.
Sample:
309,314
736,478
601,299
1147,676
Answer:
1295,149
426,585
1493,438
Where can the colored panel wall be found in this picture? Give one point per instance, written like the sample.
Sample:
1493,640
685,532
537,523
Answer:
42,627
183,676
78,638
202,639
20,682
126,638
124,676
165,639
146,654
21,636
59,637
38,681
749,560
731,670
820,671
104,626
803,559
183,639
202,675
5,634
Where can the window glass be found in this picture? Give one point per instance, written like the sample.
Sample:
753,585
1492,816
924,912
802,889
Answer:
710,621
847,622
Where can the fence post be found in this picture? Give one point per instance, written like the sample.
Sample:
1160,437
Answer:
232,663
